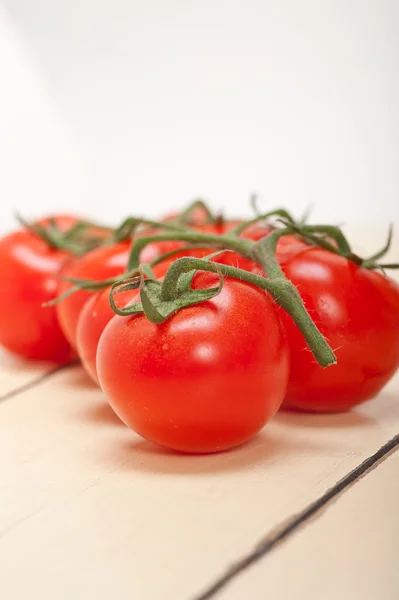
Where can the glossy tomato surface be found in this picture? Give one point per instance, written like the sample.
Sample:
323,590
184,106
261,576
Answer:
207,379
29,271
357,310
94,316
97,265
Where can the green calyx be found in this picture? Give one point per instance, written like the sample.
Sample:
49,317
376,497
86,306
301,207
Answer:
156,307
76,240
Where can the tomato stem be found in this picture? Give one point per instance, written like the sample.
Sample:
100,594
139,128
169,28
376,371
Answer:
213,240
279,212
129,225
186,215
323,235
74,240
283,292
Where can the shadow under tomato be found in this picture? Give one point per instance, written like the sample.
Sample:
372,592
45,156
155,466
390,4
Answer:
101,414
12,363
353,418
266,447
95,408
80,379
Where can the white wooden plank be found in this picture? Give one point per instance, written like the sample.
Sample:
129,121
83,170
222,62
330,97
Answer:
16,372
348,552
89,510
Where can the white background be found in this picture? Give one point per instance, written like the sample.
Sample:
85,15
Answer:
128,106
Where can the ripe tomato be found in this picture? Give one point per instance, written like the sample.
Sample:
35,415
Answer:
357,310
97,312
207,379
97,265
28,270
155,250
94,316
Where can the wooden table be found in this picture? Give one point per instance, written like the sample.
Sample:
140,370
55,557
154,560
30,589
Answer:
90,511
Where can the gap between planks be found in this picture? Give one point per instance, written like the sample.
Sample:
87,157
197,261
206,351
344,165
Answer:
285,529
313,510
32,383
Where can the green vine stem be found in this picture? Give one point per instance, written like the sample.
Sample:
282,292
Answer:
323,236
283,292
208,240
372,260
279,212
75,240
161,299
186,215
129,226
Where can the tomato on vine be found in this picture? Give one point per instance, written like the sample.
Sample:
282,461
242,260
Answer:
357,310
97,312
29,269
99,264
206,379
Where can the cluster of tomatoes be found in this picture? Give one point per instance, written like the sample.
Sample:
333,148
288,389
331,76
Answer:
201,363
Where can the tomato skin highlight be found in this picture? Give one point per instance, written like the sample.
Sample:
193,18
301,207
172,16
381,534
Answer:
357,310
98,264
29,271
207,379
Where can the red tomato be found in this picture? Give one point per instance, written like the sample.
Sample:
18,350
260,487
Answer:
357,310
28,272
97,312
97,265
155,250
94,316
256,231
207,379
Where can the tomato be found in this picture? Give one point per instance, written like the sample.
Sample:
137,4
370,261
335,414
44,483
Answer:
93,318
97,265
256,231
205,380
29,271
103,263
97,312
357,310
155,250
